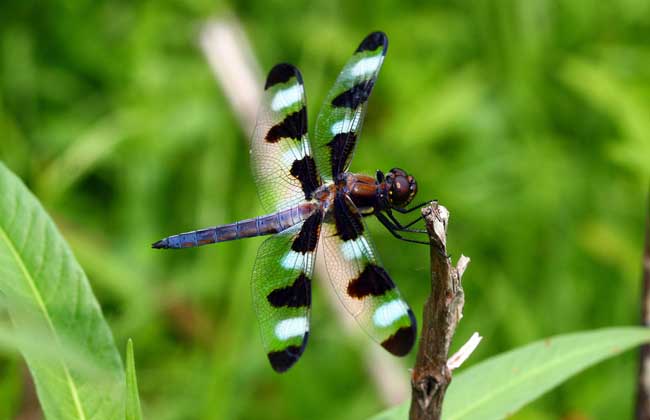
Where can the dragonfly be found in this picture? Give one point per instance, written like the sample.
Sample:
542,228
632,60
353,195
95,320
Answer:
312,202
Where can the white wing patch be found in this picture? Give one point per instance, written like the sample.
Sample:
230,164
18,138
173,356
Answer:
354,250
389,312
293,260
366,66
292,327
286,97
346,125
304,147
293,153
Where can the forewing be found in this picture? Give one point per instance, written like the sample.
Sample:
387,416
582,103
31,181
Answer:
281,288
363,286
283,167
339,123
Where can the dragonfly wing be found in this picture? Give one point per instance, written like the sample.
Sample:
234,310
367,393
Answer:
281,289
361,283
283,167
339,123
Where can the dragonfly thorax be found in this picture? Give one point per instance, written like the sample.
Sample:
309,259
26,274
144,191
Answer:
364,191
396,189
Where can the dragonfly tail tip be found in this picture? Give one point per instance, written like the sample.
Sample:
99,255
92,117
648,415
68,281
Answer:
160,244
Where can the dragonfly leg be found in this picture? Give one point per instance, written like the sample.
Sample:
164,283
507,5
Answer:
393,230
409,224
404,228
406,211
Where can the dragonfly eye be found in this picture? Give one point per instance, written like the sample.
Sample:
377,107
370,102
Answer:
402,187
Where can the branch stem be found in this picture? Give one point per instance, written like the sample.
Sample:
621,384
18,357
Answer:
442,312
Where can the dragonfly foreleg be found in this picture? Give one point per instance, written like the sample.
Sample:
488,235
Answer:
406,211
406,227
394,229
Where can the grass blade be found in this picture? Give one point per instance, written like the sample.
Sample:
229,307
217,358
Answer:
47,295
133,410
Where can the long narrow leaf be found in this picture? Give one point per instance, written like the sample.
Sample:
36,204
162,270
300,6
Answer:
47,295
133,410
501,385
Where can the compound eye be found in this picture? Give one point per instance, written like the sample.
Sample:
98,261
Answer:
400,190
397,172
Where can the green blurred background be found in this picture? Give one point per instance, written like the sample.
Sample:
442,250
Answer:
528,120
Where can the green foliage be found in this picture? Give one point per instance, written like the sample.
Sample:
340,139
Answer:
526,119
501,385
133,410
54,313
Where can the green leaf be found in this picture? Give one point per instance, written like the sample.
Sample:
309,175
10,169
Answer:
48,298
499,386
133,410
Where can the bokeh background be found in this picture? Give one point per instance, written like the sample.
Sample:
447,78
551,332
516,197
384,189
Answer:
528,120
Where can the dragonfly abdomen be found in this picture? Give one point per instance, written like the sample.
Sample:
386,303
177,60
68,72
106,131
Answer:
256,226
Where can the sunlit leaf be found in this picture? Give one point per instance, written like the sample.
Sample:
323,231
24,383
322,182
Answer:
133,410
47,295
501,385
400,412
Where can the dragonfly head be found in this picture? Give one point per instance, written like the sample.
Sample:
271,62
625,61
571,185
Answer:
401,187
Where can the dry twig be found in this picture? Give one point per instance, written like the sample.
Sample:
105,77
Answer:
442,312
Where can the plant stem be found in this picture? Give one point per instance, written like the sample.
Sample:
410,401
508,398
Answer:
442,312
